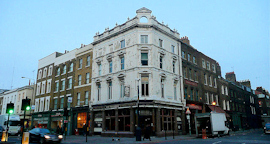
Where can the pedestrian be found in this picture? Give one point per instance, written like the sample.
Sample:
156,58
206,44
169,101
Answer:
147,132
58,129
84,129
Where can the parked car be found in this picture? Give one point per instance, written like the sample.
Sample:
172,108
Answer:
267,128
43,135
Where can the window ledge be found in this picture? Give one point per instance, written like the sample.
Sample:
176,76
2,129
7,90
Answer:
79,68
57,76
62,90
54,110
70,71
63,73
60,109
87,66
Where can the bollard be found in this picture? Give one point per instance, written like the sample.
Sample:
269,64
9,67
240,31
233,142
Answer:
173,133
165,135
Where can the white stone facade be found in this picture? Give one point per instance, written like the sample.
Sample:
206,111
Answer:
107,47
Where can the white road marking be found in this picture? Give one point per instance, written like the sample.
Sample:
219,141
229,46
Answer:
217,142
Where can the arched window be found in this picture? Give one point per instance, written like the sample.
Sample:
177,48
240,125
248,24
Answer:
71,67
64,69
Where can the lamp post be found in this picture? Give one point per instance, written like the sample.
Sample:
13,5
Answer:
138,129
214,104
188,118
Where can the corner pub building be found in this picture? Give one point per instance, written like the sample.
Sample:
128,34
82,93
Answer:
141,56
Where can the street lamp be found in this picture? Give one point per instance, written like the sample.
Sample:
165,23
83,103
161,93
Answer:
29,80
214,104
138,129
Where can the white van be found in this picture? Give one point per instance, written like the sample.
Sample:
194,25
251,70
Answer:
14,123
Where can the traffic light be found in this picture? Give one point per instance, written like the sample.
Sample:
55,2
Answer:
10,108
26,104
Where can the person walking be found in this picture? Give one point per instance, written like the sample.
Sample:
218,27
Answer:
58,129
147,132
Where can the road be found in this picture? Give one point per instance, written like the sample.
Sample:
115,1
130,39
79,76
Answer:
244,138
248,137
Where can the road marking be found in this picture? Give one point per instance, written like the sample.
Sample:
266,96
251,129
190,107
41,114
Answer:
217,142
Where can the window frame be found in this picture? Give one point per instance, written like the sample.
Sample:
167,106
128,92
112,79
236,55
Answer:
88,59
144,39
122,43
144,60
79,80
78,99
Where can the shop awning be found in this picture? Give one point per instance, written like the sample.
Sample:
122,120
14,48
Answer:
218,110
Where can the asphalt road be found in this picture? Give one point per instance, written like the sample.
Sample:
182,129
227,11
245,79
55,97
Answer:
254,137
244,138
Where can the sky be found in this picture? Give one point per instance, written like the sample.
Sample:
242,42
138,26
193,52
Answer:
234,33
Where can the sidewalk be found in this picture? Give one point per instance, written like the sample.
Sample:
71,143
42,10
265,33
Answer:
98,139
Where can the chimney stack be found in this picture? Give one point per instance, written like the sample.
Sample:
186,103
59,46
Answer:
185,40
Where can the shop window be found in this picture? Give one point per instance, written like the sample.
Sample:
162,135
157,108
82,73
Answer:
166,119
110,120
124,120
81,119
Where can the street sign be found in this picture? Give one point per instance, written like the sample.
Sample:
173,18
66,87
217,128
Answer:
65,121
69,99
188,111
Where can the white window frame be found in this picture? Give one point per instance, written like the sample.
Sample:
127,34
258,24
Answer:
122,63
86,97
80,63
222,89
63,85
44,72
214,68
110,66
79,80
55,105
144,39
210,80
99,92
172,48
58,71
122,43
69,83
203,63
160,43
205,79
88,58
228,105
144,52
62,101
71,67
217,100
122,89
207,98
78,99
56,86
87,78
36,105
99,69
110,90
144,84
64,69
208,65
